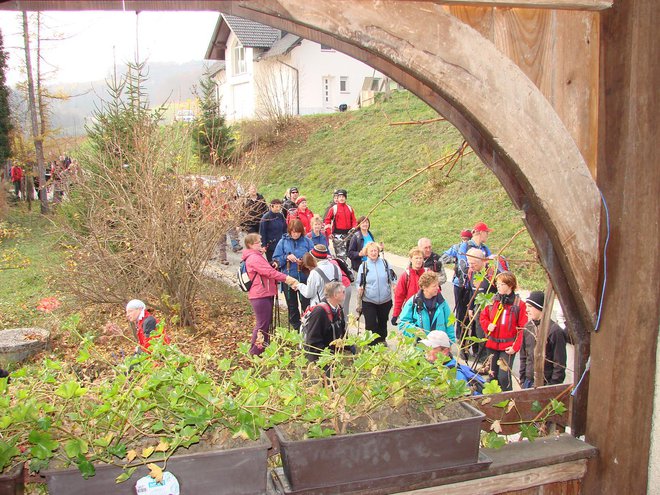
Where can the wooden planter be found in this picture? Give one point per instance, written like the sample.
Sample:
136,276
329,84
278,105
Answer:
240,471
381,458
11,483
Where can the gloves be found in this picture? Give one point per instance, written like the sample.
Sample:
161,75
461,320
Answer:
394,320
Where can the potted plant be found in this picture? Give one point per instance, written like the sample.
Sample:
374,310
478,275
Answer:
151,413
370,418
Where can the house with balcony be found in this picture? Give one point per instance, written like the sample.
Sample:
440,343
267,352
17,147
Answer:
265,73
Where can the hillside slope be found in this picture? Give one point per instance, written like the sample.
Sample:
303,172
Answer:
361,152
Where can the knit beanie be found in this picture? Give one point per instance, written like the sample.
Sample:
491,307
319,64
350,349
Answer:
320,252
536,299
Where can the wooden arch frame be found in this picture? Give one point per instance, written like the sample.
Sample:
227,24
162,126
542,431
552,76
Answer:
502,114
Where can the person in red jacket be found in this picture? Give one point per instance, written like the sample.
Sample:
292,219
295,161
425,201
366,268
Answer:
16,174
408,284
145,324
504,323
338,221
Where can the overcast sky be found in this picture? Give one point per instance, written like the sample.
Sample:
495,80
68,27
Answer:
93,39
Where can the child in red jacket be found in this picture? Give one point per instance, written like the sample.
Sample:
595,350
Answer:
503,322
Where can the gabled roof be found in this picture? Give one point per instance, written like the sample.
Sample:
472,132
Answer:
250,34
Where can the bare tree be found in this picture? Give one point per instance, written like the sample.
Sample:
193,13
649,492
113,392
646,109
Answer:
35,113
277,92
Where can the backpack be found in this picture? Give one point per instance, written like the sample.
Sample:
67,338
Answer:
334,209
243,278
304,319
336,277
345,269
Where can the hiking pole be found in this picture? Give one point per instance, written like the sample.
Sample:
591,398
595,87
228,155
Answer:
498,313
287,296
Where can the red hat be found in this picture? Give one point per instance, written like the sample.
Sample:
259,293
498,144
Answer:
300,199
481,227
466,233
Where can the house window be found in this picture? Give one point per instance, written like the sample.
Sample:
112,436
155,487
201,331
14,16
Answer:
238,60
326,48
375,84
343,84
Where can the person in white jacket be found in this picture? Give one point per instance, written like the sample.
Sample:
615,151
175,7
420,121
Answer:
323,273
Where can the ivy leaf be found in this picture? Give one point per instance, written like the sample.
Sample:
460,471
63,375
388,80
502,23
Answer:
70,389
162,446
125,475
316,431
7,453
557,407
74,447
147,452
83,355
493,441
118,450
85,467
42,444
492,387
502,404
529,432
536,407
104,441
155,472
496,426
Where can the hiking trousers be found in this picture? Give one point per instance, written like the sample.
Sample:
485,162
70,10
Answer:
376,317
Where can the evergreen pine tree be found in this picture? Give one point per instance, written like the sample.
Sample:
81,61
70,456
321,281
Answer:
211,134
5,121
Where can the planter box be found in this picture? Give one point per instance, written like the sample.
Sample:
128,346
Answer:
240,471
351,460
11,483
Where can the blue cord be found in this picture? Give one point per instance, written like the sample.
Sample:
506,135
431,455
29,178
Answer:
602,294
607,241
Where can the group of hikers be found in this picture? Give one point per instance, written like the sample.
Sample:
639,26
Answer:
55,176
319,260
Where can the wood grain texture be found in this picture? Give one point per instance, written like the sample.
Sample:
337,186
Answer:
621,392
129,5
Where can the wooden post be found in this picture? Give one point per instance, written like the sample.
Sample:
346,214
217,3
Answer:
542,335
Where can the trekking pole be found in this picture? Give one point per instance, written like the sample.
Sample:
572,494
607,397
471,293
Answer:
498,313
288,294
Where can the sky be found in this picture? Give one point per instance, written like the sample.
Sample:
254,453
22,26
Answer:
93,39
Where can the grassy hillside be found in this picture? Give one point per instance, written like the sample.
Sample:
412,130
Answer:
361,152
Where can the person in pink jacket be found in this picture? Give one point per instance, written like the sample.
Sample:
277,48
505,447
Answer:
262,292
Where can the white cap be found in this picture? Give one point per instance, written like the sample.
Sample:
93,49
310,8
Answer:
436,338
135,304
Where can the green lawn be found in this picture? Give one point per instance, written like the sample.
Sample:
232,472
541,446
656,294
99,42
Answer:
361,152
22,288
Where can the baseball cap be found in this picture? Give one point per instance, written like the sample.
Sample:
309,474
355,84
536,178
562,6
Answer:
481,227
436,338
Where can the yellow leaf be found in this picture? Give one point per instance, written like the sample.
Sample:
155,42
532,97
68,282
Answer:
511,405
496,427
130,455
162,446
147,452
155,472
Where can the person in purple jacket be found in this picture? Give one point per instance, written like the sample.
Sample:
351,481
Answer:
262,292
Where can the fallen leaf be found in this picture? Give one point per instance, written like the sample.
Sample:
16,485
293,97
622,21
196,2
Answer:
496,427
162,446
512,404
147,452
130,455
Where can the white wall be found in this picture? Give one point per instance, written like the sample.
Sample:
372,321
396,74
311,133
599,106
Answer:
314,63
654,461
238,93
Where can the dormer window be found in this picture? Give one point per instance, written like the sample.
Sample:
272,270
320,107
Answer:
239,65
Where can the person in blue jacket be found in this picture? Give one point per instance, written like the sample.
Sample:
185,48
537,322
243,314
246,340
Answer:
272,227
287,259
427,310
439,345
374,284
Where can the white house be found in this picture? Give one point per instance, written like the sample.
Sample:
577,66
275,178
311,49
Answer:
269,73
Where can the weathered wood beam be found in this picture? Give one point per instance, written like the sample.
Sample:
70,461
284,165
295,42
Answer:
212,5
594,5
